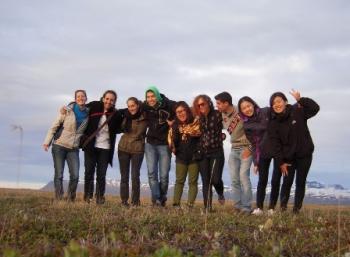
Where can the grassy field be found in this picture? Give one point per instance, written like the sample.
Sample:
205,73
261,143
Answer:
32,224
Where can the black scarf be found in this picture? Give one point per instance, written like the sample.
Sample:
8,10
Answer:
284,115
129,118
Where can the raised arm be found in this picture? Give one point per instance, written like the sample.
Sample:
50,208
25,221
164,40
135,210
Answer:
310,107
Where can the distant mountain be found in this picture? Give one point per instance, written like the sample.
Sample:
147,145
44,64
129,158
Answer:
316,192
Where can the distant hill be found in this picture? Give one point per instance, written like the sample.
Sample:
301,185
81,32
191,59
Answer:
316,192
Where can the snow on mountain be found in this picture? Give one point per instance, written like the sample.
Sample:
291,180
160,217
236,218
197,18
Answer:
316,192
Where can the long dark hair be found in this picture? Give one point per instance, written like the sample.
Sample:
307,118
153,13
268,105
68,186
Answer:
247,99
188,111
276,94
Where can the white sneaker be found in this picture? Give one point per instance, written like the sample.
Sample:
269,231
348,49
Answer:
257,212
270,212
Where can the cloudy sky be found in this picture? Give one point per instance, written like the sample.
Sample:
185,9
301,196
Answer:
50,48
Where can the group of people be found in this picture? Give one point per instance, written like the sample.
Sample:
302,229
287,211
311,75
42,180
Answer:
158,127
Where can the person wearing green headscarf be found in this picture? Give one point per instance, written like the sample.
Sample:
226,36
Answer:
159,111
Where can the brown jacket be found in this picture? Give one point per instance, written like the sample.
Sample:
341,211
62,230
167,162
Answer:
134,141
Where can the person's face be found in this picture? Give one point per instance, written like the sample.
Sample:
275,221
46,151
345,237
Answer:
247,108
203,106
278,104
80,98
151,98
181,114
132,107
222,106
108,101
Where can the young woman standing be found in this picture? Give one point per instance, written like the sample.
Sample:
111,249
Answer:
212,160
255,123
99,151
131,150
292,145
65,147
183,139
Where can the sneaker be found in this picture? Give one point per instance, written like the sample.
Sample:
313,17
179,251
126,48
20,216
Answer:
221,199
257,212
270,212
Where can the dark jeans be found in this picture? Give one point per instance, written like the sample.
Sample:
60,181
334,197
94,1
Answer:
60,155
96,160
124,164
211,168
300,168
264,165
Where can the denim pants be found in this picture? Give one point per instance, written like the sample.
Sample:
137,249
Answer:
240,176
181,173
60,155
95,161
211,167
158,165
127,161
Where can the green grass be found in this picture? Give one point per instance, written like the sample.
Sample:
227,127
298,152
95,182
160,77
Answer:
32,224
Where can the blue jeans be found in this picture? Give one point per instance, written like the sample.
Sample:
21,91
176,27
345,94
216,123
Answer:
240,176
61,154
158,162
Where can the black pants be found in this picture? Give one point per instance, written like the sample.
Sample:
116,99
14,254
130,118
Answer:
264,166
211,168
124,164
299,168
96,160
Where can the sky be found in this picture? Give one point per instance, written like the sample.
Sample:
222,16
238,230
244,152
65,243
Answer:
48,49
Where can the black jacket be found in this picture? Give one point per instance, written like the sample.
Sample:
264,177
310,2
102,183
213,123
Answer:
289,133
157,121
96,110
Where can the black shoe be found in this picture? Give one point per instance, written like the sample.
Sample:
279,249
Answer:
163,201
221,199
100,200
125,204
135,204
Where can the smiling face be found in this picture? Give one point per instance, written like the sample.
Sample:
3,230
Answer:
108,101
133,107
247,108
278,104
80,98
181,114
151,98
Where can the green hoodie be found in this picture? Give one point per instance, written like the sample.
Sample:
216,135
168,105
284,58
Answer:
156,93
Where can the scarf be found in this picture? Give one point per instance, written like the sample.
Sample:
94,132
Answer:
129,118
80,114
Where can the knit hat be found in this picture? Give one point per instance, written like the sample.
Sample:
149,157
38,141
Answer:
155,92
